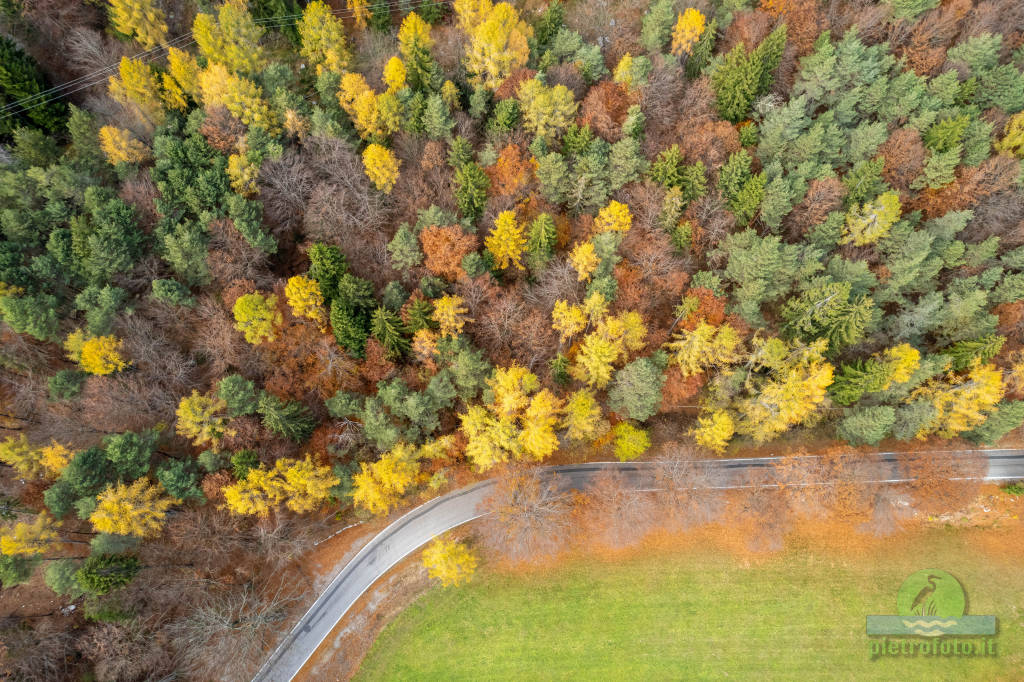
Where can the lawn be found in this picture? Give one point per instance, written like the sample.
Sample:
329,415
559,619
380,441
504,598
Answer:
700,614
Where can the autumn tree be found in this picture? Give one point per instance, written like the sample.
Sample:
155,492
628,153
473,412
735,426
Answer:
449,562
140,19
872,221
687,31
257,317
306,300
960,403
30,539
323,38
715,430
444,248
381,167
526,517
379,486
704,347
200,419
120,146
450,315
136,85
630,441
300,485
231,38
506,241
547,110
498,40
138,509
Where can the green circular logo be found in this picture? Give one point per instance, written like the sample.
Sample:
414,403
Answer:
931,592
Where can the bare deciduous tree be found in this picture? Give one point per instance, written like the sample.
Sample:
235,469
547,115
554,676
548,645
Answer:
527,516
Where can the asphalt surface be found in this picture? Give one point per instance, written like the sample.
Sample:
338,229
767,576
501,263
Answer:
420,525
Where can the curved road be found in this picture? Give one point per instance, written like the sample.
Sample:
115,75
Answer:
441,514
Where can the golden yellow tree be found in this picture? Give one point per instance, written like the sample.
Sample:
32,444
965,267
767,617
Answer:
539,421
582,419
136,85
630,441
450,315
30,539
259,493
323,38
257,317
394,74
413,35
614,338
306,485
498,44
381,167
506,241
240,96
181,81
961,402
120,146
452,563
231,38
306,300
715,431
201,419
138,509
140,19
360,12
704,347
615,217
584,260
243,173
797,378
16,452
99,355
689,28
568,320
547,110
379,486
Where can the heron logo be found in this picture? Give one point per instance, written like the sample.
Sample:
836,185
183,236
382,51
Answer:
932,604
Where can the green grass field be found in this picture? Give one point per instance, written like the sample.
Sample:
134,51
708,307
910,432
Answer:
697,615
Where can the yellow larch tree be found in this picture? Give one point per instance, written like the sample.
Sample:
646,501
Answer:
449,562
506,241
414,35
704,347
394,74
689,27
614,338
17,453
54,458
138,509
794,389
498,44
961,402
136,85
547,110
30,539
615,217
582,417
240,96
360,12
471,13
120,146
539,421
379,486
870,222
630,441
140,19
306,485
323,38
568,320
201,419
901,362
243,173
381,167
257,317
181,80
714,431
259,493
450,315
231,38
584,260
101,355
306,300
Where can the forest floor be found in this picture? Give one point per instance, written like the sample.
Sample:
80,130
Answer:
701,604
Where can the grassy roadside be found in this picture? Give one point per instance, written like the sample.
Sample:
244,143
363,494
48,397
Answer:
703,613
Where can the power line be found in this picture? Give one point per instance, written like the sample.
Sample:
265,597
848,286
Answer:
100,75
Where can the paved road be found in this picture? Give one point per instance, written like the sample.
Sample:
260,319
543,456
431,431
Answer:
420,525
